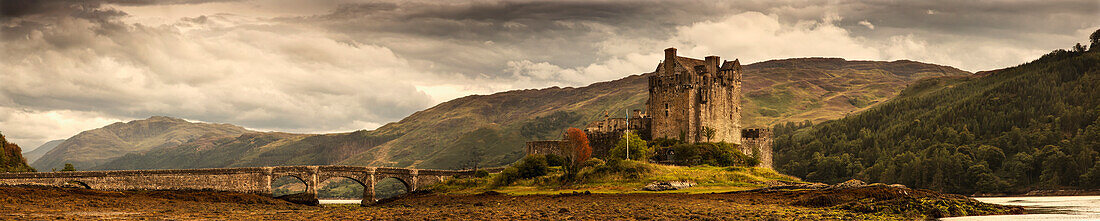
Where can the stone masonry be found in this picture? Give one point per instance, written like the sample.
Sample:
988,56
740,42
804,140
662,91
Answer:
686,97
689,95
247,180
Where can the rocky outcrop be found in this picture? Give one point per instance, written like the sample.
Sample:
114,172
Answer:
850,184
668,185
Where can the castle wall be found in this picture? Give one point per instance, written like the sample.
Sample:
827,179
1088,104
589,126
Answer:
670,107
761,141
545,147
720,108
685,100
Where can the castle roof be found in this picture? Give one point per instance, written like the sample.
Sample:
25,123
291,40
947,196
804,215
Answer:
731,65
685,62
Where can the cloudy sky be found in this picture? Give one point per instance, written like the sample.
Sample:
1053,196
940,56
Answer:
334,65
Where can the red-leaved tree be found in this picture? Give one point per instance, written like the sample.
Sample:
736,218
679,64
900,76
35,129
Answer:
577,146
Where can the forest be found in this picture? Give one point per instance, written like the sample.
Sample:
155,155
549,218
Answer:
1028,127
11,158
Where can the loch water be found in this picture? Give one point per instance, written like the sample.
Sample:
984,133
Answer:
1043,208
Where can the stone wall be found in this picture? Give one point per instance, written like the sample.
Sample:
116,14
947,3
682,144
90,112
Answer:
545,147
761,140
247,180
605,134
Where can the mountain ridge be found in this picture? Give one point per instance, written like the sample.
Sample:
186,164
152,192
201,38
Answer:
90,148
33,155
499,123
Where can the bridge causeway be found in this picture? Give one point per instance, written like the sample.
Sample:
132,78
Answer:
255,180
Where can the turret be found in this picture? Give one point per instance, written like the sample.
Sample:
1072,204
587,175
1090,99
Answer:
711,64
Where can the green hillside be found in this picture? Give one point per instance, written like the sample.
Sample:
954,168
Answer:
490,130
11,160
1033,126
93,147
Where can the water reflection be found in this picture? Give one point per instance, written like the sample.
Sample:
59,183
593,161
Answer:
340,201
1044,208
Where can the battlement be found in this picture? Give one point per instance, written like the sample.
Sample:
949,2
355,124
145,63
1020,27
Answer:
756,133
758,140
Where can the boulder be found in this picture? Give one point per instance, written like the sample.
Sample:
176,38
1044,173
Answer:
668,185
853,183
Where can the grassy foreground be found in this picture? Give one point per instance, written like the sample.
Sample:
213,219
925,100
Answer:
626,177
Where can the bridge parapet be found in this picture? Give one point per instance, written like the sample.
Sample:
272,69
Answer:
246,179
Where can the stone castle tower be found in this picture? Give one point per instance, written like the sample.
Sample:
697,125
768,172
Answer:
688,95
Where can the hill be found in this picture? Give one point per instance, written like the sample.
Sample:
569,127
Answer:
775,91
819,89
1033,126
98,146
11,160
495,127
41,150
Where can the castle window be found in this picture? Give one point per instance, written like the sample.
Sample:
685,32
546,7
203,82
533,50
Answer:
666,110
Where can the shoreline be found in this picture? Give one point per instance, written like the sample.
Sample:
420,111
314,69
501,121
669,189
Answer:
864,203
1093,192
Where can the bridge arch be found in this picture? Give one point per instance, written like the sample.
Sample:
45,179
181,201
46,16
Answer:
284,184
341,187
391,186
75,184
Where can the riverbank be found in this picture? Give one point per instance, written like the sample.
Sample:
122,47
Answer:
1043,208
1043,193
866,203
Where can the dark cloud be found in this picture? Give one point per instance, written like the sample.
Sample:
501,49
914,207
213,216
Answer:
334,65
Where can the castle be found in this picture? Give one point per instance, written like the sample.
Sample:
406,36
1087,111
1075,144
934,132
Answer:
690,100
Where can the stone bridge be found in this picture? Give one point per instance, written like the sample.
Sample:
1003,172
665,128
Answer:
248,179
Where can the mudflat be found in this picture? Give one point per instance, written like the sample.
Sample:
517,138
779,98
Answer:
28,202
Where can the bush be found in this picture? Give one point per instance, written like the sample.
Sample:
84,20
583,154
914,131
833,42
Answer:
627,169
716,154
529,167
639,150
593,162
555,160
69,167
481,173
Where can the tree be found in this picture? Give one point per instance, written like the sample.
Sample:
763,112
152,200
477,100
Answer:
69,167
1079,48
1095,40
638,148
576,150
576,144
709,132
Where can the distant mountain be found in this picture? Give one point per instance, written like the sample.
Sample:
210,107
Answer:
33,155
450,134
11,160
91,148
819,89
1033,126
